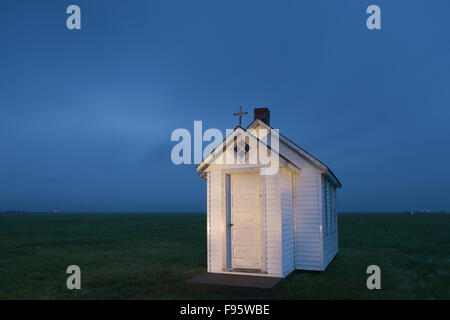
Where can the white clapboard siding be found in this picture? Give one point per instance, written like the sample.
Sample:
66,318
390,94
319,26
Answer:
215,221
287,221
308,241
273,226
307,208
208,225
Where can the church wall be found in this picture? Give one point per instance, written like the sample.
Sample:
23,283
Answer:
273,228
287,221
308,238
308,244
214,228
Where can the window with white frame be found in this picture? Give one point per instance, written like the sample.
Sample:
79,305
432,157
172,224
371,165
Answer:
325,207
332,207
335,209
329,223
330,201
241,147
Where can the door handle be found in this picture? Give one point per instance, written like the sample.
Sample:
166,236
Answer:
230,225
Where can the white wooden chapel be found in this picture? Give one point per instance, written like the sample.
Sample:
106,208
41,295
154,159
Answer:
268,224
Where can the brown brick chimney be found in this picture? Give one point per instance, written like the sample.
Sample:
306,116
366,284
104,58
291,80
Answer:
262,114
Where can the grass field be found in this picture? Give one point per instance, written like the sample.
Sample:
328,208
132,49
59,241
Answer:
151,256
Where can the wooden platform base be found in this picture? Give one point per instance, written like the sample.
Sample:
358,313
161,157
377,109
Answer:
236,284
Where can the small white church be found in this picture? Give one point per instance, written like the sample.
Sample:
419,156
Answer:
268,223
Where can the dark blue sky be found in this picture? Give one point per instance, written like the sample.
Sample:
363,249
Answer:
86,116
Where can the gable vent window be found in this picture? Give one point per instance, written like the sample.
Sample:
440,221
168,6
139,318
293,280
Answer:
241,148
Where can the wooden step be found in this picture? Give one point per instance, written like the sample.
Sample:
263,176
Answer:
236,284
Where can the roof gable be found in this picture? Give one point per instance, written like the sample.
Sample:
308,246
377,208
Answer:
258,124
313,160
255,143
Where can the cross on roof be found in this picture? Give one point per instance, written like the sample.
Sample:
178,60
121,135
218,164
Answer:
240,114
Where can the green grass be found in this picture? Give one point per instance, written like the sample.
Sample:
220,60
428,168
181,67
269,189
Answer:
151,256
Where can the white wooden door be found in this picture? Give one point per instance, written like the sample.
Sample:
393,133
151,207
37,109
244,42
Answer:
245,220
